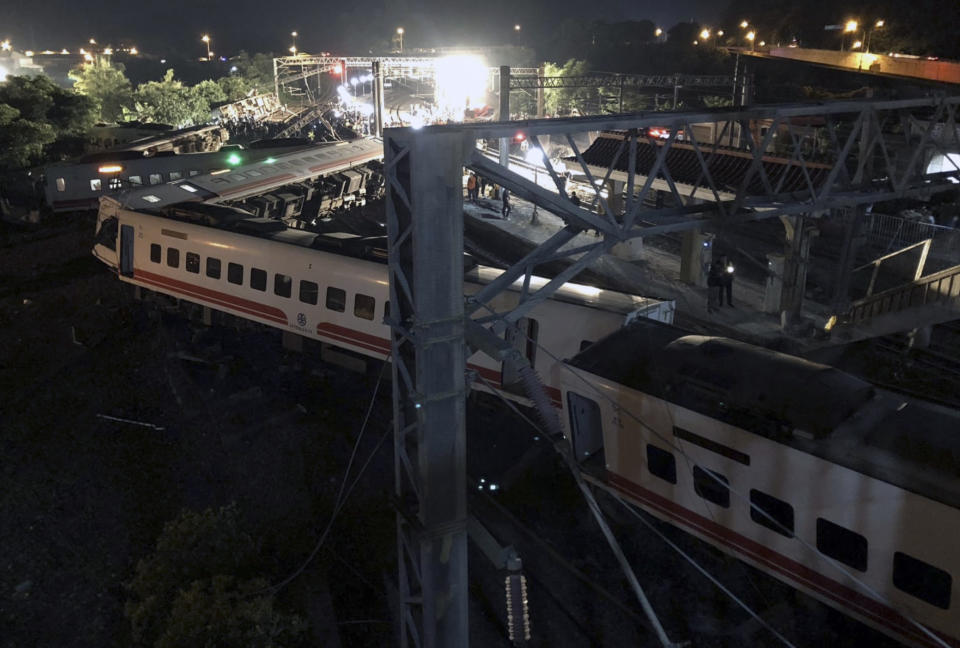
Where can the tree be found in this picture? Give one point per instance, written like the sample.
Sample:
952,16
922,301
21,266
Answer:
564,101
256,70
170,102
209,92
21,140
234,88
105,83
38,118
202,586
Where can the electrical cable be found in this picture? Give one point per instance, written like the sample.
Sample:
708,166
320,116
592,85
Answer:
877,596
341,497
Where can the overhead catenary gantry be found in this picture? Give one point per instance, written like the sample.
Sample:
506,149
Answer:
875,150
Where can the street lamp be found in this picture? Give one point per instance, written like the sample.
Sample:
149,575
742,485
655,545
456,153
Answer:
744,24
516,28
5,46
876,25
705,34
751,36
206,41
293,50
849,27
658,32
400,34
294,34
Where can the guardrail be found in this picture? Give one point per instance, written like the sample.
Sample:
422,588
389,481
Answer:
938,288
889,232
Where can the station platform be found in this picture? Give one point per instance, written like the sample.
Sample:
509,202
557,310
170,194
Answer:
656,273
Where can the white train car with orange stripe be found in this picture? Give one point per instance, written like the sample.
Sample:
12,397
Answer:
846,492
260,270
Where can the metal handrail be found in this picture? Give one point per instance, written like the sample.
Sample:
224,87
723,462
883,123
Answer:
939,287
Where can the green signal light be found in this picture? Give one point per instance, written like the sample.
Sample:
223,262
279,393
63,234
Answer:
233,159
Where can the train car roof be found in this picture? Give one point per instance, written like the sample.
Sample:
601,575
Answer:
809,406
269,172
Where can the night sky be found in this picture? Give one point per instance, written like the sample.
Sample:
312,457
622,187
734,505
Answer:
175,25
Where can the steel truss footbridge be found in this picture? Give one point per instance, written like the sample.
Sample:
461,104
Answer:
873,151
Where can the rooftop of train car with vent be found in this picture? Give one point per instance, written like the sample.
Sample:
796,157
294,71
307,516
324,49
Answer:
811,407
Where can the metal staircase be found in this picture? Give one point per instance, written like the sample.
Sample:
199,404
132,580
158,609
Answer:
927,300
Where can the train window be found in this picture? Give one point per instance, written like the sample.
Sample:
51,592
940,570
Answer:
780,511
156,178
364,306
712,446
842,544
192,263
173,257
95,184
386,309
213,267
135,180
115,184
155,254
193,172
61,184
175,175
926,582
711,486
309,292
258,279
235,273
661,463
336,299
151,198
282,285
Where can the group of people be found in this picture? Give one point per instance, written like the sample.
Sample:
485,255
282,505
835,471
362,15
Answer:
719,282
477,186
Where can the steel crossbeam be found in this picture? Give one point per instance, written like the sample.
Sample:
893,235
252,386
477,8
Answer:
518,81
863,152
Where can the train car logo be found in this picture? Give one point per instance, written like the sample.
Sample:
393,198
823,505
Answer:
301,319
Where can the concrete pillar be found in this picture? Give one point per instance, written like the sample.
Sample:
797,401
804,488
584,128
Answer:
696,255
853,238
615,197
504,113
774,287
800,233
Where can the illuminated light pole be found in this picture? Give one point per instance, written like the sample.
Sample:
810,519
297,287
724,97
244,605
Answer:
876,25
5,45
294,35
293,50
751,36
744,24
658,33
206,41
516,28
400,34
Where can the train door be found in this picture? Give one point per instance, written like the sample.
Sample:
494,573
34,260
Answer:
522,336
586,426
126,250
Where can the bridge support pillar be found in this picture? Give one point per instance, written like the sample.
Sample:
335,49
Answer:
504,113
696,255
800,232
853,237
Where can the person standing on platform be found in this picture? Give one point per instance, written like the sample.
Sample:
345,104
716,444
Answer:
726,281
714,285
472,188
505,201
